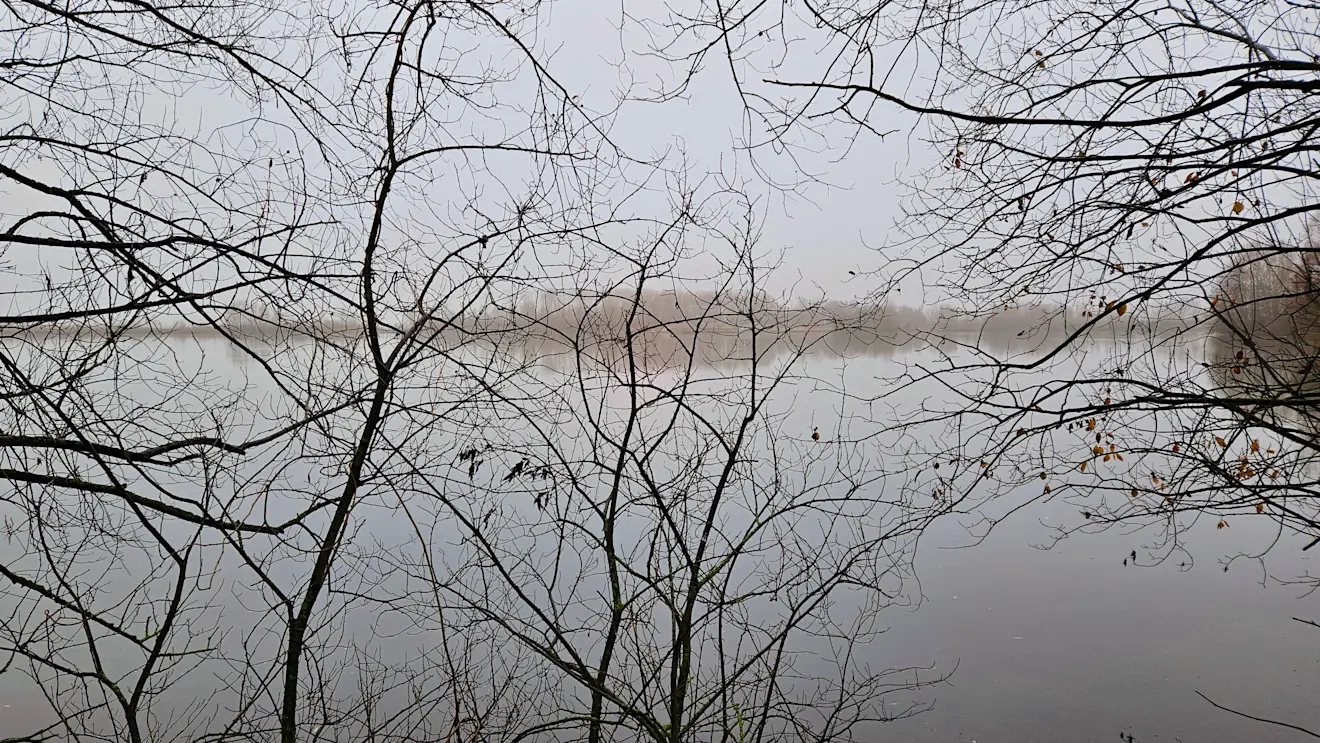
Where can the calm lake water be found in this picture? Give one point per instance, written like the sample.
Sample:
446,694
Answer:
1068,644
1071,645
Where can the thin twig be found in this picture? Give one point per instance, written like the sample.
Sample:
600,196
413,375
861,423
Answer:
1258,719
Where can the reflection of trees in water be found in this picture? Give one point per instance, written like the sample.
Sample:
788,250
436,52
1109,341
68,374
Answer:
1264,347
658,351
672,330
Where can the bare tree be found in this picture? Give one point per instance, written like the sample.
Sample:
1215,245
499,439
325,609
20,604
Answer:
1135,177
676,558
264,346
1140,178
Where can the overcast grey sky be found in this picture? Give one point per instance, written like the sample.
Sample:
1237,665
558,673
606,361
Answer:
823,231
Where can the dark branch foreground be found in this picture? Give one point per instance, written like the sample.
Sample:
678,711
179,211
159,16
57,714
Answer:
1141,175
341,399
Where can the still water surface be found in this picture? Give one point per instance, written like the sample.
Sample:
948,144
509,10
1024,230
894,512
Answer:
1069,644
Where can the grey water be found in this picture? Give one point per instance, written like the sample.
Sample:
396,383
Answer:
1069,644
1060,644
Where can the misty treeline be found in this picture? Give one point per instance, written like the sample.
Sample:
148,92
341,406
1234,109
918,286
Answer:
708,326
1265,338
678,326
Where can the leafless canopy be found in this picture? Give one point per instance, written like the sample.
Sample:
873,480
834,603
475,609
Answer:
295,443
1139,176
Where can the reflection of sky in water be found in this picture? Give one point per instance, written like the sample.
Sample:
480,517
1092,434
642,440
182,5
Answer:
1104,647
1065,645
